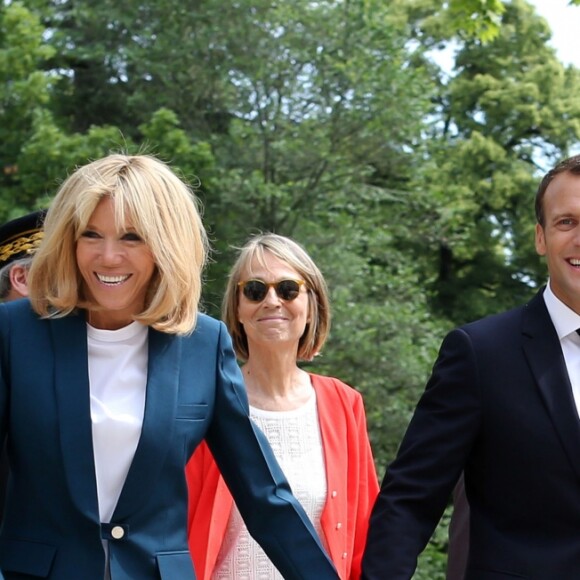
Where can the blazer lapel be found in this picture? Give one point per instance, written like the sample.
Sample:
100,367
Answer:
69,340
158,422
544,354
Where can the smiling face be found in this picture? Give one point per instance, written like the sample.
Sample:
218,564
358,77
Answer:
559,239
116,267
274,321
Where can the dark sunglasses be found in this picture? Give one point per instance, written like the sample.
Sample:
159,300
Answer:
256,290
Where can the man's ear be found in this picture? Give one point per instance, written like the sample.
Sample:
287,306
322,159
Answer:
18,275
540,240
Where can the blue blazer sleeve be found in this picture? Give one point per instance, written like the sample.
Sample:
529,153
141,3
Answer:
273,516
4,328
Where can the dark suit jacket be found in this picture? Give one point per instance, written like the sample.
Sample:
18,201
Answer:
194,390
499,404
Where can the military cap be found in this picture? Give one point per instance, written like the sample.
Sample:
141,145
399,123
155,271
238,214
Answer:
21,237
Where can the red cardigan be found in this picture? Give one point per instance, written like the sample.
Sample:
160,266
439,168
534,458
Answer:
351,482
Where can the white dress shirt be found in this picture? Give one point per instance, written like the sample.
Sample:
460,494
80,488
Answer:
566,321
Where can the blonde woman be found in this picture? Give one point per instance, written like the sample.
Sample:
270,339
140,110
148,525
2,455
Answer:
109,380
277,310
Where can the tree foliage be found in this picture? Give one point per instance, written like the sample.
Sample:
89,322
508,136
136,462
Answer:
24,89
332,122
508,112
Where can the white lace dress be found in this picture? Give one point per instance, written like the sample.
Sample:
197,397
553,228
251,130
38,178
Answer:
295,439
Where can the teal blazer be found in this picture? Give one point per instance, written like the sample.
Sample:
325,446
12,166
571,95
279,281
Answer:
194,391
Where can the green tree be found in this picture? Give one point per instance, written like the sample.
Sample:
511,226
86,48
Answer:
329,122
509,110
24,89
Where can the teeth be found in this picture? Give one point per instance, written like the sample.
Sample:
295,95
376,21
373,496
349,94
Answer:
575,262
112,279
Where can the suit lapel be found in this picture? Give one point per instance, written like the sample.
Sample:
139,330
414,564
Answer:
158,423
544,354
69,340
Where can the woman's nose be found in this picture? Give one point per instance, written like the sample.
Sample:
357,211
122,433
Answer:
111,252
271,296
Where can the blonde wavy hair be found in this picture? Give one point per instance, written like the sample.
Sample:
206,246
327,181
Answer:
293,254
165,214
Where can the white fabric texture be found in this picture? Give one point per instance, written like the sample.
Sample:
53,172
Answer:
118,378
566,322
296,442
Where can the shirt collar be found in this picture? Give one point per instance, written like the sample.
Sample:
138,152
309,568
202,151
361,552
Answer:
565,320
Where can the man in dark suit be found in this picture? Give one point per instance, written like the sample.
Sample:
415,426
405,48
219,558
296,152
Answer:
502,406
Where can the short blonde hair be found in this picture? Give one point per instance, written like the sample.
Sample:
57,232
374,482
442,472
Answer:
165,214
293,254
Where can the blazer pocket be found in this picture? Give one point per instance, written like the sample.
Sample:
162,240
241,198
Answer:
175,566
197,412
26,557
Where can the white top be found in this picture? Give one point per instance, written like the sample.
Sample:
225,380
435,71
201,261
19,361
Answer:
295,439
566,321
117,378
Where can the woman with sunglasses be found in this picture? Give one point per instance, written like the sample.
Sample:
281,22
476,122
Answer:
276,309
